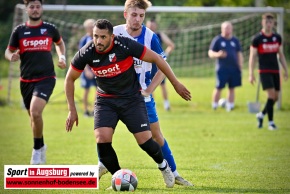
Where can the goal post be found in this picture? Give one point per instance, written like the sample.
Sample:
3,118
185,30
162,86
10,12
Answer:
191,29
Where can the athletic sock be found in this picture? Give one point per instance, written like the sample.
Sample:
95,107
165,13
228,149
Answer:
269,103
162,165
153,150
175,173
271,122
38,143
42,142
108,157
270,109
214,105
167,154
97,151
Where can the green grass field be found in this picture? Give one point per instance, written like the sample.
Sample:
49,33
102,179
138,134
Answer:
219,151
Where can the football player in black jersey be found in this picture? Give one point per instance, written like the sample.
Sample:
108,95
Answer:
119,95
266,45
31,43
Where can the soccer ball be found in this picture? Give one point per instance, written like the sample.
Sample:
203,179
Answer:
124,180
222,102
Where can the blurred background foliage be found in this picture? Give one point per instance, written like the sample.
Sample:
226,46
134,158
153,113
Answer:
7,9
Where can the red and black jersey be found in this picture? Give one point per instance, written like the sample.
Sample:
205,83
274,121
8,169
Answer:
34,44
267,47
114,69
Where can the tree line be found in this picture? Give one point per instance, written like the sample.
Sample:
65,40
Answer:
7,9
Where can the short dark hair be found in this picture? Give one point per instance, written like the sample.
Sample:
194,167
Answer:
104,24
268,16
26,2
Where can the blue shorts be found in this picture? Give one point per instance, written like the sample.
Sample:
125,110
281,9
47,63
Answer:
151,109
232,77
87,82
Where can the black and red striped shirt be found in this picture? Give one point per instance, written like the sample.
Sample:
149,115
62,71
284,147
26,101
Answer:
267,47
114,69
34,44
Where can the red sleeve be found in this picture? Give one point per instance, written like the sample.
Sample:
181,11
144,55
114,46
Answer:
143,53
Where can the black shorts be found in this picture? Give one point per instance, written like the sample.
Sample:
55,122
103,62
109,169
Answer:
42,89
131,111
270,80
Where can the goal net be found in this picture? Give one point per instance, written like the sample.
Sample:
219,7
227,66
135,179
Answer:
191,29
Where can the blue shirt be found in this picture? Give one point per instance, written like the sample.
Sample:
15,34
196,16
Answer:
231,47
84,40
149,39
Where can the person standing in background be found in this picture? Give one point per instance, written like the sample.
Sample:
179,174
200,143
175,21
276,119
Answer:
266,45
227,51
31,43
87,77
164,39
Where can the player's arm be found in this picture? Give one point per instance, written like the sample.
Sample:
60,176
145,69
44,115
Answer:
155,82
168,42
214,51
159,76
240,60
88,73
283,62
69,89
219,54
60,50
12,56
252,62
152,57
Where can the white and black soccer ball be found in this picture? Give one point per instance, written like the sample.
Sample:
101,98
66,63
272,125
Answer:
222,102
124,180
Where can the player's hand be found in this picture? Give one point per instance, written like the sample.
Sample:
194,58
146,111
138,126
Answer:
15,56
252,79
222,54
71,119
61,64
145,93
285,75
182,91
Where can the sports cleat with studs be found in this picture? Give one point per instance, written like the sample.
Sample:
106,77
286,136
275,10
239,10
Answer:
102,170
260,117
181,181
168,176
43,154
38,156
272,127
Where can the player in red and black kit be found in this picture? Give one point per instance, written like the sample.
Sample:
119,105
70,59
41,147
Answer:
119,93
266,44
31,42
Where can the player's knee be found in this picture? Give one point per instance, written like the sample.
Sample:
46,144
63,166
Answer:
158,137
103,136
150,146
34,114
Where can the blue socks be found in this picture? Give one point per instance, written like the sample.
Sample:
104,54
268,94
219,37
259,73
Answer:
168,156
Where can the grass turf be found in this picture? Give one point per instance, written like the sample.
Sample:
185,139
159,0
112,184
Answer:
219,151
